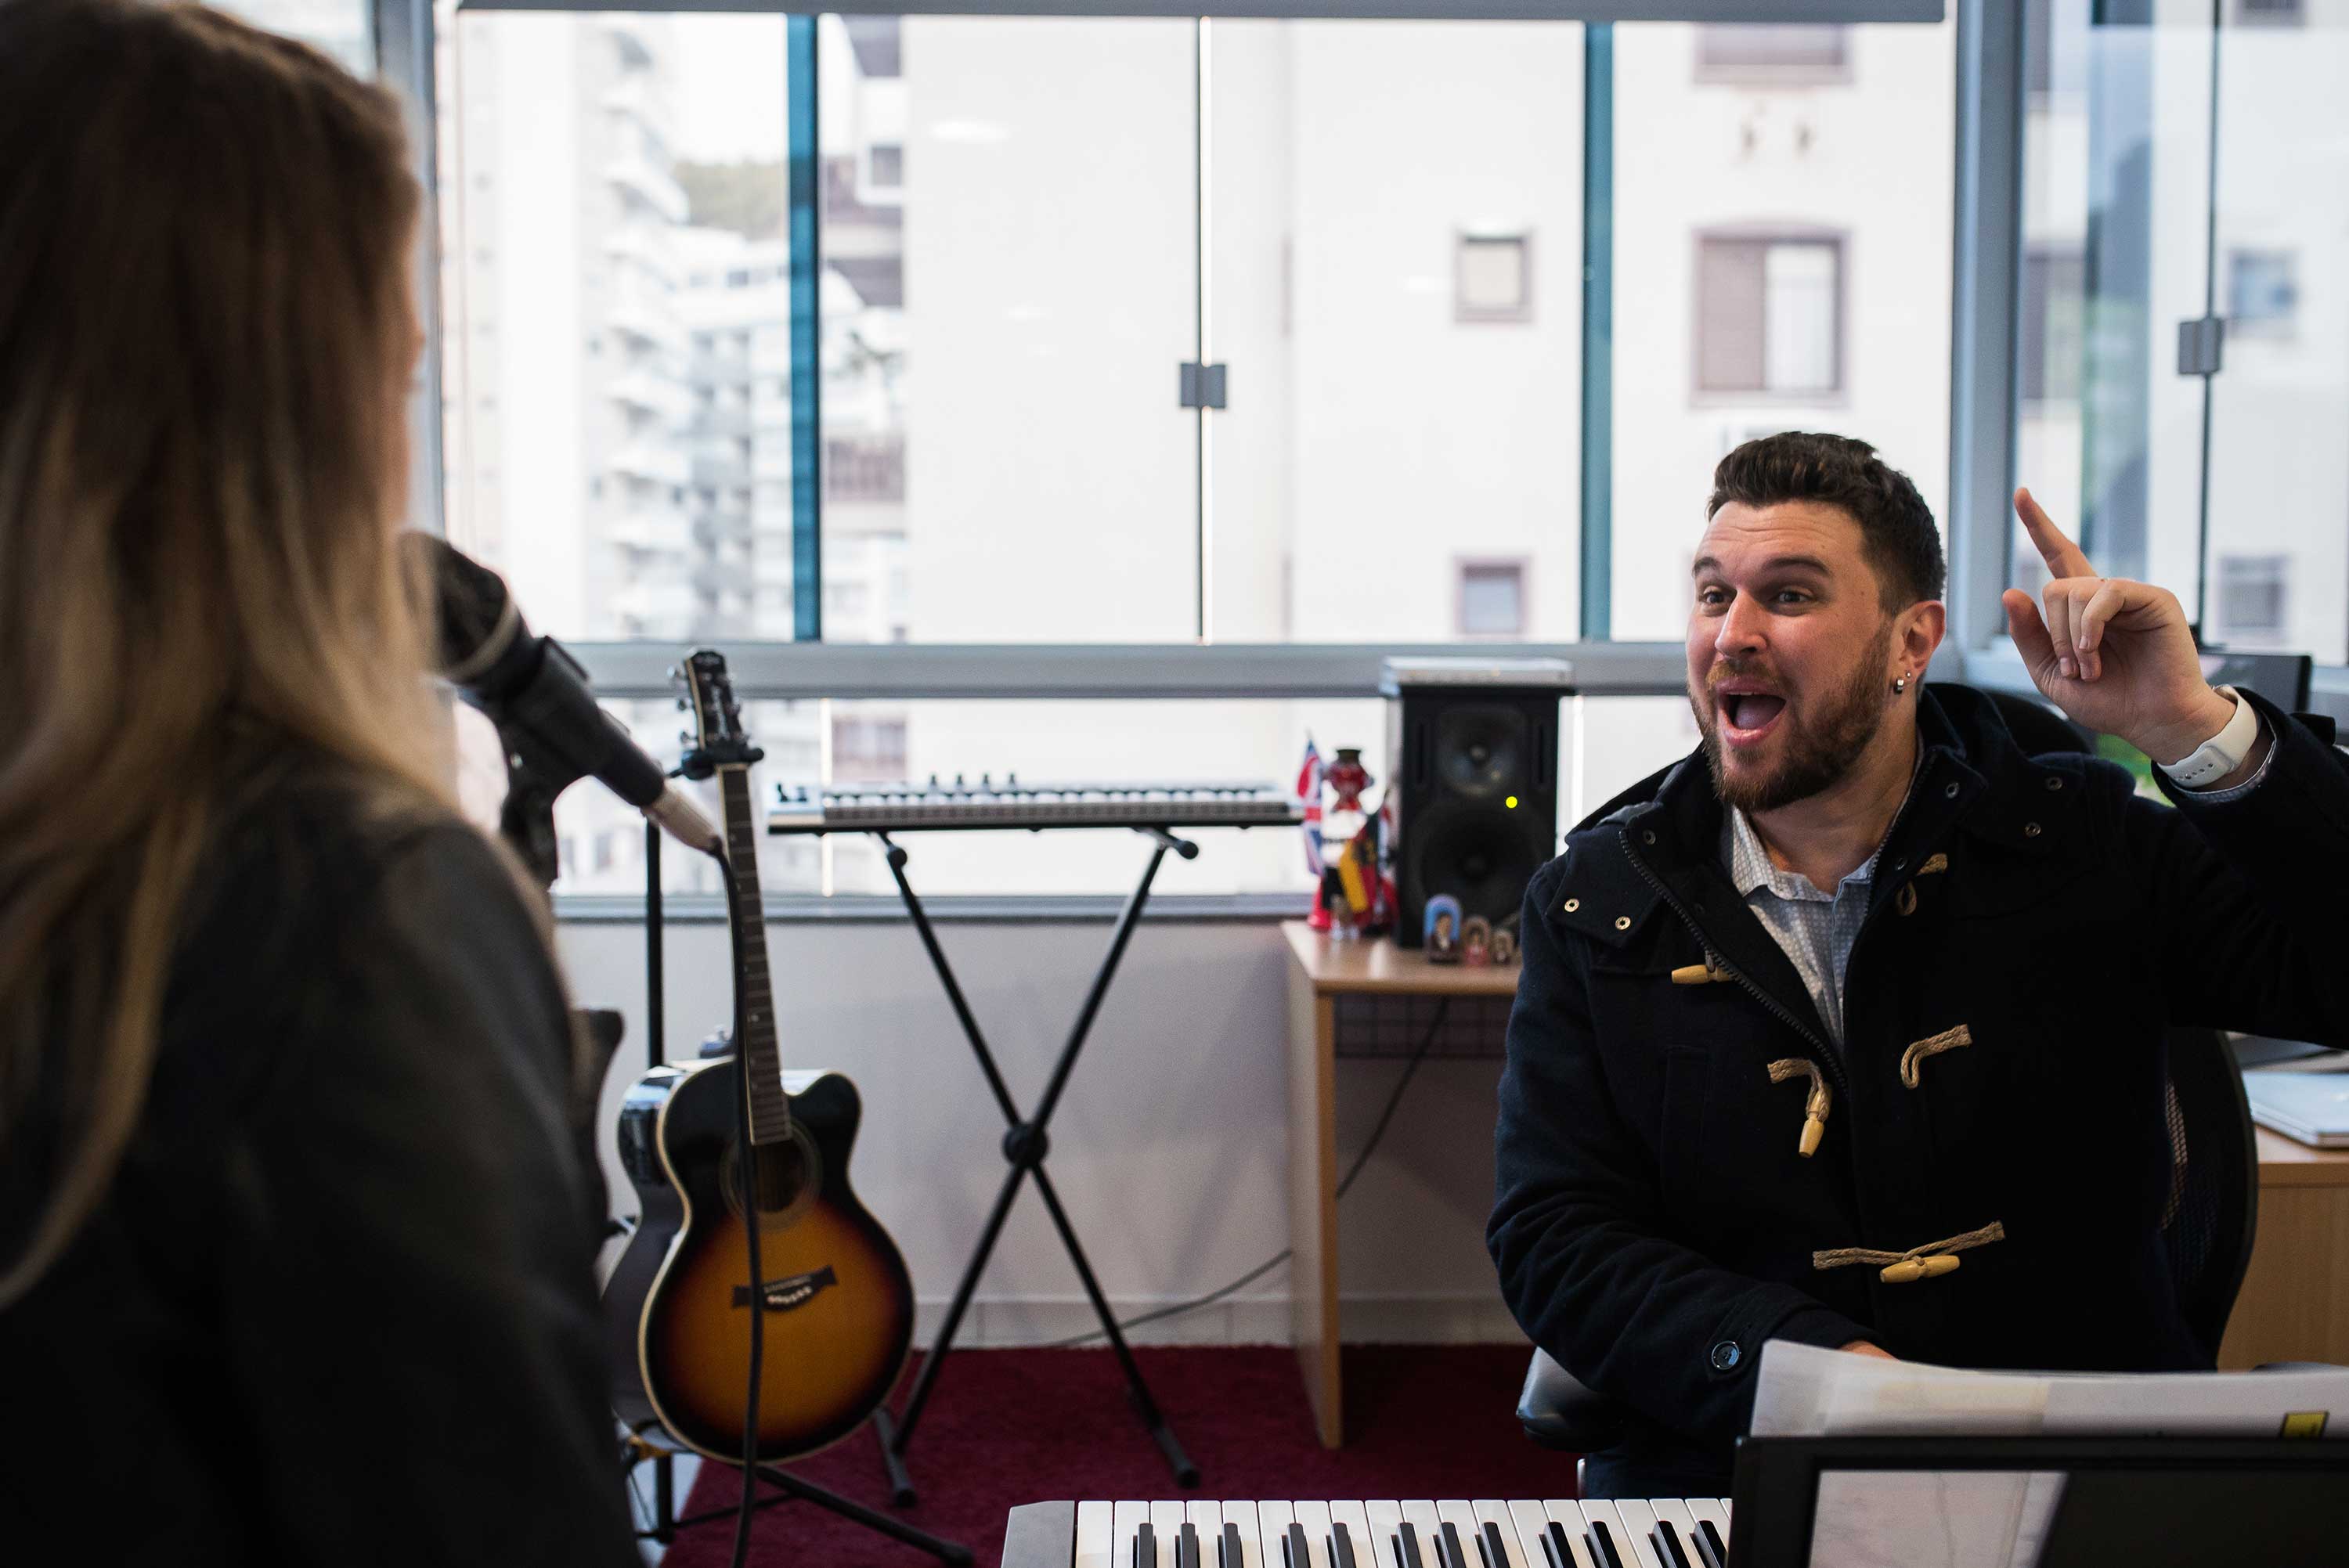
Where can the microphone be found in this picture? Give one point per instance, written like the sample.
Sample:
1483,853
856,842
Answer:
532,685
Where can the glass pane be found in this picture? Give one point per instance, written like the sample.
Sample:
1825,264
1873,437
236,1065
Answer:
2279,524
1395,234
1782,208
2115,165
617,335
342,28
1008,228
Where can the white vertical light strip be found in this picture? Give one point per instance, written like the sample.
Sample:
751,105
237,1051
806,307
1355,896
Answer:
824,782
1574,789
1206,147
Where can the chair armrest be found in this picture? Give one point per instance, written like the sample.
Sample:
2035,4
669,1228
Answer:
1559,1411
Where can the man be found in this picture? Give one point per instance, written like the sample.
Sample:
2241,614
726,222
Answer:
1847,1028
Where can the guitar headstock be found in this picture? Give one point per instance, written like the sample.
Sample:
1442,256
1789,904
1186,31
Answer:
718,738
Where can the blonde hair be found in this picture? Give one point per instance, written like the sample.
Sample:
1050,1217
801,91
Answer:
205,339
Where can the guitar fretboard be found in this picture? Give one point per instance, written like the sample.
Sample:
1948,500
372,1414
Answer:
771,1108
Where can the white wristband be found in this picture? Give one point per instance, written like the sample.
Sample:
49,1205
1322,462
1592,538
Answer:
2223,753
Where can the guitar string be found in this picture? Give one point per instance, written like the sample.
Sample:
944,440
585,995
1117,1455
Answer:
1394,1098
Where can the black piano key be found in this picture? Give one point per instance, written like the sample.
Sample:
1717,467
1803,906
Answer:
1668,1545
1602,1545
1455,1554
1146,1547
1715,1547
1187,1546
1341,1546
1488,1545
1555,1548
1407,1547
1227,1549
1293,1548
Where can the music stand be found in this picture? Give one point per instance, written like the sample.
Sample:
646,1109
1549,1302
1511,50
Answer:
2151,1502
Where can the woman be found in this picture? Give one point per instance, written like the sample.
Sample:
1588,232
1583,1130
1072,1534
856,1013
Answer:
294,1241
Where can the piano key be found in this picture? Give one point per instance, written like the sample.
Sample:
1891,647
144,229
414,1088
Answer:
1187,1546
1126,1522
1386,1529
1533,1537
1711,1530
1239,1536
1273,1517
1458,1532
1673,1511
1166,1521
1143,1552
1499,1531
1426,1529
1350,1536
1567,1516
1313,1519
1095,1530
1604,1536
1640,1525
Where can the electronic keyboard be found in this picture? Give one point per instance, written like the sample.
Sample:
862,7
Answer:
1660,1532
1008,803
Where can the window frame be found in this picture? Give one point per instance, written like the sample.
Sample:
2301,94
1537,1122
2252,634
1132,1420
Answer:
1837,241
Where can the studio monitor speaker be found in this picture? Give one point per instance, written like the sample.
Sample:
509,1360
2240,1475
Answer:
1473,769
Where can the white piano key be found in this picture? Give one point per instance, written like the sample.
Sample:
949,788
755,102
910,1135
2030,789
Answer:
1126,1522
1532,1522
1704,1509
1314,1519
1357,1521
1273,1517
1241,1516
1459,1513
1639,1524
1386,1523
1166,1524
1420,1515
1566,1514
1597,1511
1096,1528
1495,1512
1208,1520
1674,1511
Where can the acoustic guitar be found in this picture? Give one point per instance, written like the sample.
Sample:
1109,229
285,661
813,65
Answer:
839,1304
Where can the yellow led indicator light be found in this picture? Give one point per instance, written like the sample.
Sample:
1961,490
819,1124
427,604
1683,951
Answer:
1511,803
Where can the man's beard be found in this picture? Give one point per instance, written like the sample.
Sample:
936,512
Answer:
1818,752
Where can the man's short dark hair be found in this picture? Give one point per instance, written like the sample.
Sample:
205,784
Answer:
1896,527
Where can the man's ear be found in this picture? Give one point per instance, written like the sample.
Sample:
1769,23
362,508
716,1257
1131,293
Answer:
1921,629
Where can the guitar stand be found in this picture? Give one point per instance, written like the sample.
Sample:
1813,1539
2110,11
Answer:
1026,1143
665,1522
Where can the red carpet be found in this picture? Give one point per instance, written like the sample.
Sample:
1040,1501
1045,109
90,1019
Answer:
1008,1427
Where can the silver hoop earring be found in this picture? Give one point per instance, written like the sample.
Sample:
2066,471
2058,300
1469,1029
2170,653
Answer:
1899,685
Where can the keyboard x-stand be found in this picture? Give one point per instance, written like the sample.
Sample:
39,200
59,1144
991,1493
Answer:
1153,811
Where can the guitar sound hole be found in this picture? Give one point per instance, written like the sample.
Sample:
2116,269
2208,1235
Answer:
784,1176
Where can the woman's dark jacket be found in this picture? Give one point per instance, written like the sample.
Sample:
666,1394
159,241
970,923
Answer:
338,1305
1654,1222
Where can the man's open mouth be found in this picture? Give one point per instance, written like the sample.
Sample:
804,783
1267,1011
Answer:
1748,714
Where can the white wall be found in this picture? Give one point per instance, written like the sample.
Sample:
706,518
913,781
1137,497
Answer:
1169,1150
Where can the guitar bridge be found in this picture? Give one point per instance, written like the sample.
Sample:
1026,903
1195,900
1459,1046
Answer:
792,1290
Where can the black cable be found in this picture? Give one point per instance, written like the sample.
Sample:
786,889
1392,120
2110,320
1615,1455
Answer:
746,1165
1378,1130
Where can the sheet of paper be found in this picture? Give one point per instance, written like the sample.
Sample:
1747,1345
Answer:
1934,1518
1806,1391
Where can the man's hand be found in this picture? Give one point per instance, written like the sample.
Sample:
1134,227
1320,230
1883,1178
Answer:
2117,657
1862,1347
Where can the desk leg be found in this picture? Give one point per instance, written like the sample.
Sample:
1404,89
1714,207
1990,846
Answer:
1313,1200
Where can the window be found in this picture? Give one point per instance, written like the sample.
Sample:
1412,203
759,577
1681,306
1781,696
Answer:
1492,599
1494,276
2252,597
2054,283
342,28
886,165
1769,316
1771,55
2263,292
2269,12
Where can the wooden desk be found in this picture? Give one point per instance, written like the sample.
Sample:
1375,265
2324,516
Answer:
1323,971
2294,1306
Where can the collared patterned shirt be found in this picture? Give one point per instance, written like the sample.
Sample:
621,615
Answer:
1816,929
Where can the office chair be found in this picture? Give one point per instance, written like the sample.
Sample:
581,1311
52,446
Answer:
2207,1227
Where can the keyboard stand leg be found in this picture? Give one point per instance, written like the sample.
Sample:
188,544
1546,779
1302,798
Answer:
1025,1145
856,1512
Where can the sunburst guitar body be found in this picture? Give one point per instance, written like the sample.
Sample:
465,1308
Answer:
835,1301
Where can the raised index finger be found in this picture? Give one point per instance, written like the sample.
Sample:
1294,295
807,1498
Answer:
2064,558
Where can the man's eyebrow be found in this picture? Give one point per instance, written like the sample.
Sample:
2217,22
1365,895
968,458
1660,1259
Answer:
1705,563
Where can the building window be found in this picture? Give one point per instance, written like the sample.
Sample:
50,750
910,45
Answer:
1769,316
886,166
868,749
2053,347
1493,278
1769,55
1492,599
2252,597
2269,12
2263,292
